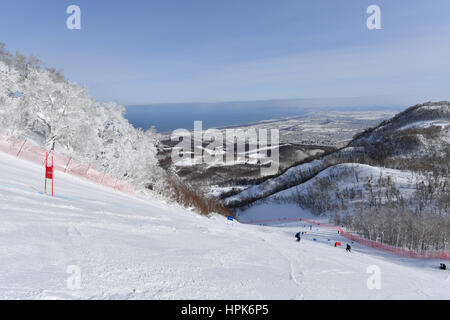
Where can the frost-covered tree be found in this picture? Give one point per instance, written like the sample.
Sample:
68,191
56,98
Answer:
9,102
40,104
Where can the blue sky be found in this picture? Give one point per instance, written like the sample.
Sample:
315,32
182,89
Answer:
142,52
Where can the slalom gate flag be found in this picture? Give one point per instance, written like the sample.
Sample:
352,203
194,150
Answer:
48,172
30,152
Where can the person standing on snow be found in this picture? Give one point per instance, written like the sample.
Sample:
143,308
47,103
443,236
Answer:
297,235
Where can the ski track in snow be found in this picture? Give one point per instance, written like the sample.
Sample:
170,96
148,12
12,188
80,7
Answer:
132,248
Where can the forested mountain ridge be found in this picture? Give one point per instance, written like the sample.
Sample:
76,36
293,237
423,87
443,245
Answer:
416,139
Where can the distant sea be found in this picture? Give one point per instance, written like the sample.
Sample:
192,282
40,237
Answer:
168,117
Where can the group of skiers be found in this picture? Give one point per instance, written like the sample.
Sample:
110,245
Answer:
299,235
348,248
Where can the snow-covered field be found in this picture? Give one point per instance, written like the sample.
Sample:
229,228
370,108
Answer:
325,129
131,248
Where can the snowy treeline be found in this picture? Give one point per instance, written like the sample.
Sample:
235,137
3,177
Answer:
406,214
39,103
348,187
401,227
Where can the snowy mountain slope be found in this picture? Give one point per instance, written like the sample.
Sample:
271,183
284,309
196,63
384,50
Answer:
348,186
129,248
286,180
338,182
421,131
356,175
339,179
417,138
430,112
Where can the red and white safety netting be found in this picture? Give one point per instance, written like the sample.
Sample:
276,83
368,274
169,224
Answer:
435,254
27,151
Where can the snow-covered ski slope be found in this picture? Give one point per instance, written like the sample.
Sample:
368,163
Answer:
130,248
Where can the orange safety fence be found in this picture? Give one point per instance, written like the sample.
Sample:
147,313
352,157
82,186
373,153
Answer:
27,151
423,254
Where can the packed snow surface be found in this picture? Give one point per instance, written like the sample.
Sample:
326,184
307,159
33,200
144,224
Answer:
131,248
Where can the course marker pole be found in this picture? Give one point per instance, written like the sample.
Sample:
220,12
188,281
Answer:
18,153
67,165
48,172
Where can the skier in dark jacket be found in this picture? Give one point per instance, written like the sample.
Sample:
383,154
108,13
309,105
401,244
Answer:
349,248
297,235
443,266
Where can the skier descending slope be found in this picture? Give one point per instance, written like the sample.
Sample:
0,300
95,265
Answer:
297,235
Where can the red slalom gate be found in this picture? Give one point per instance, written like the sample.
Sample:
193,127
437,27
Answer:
48,172
445,255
